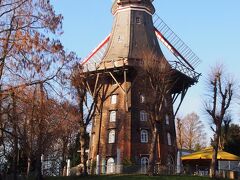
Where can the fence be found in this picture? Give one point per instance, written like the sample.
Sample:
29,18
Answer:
131,169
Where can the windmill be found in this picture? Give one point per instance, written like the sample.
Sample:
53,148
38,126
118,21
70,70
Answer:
120,128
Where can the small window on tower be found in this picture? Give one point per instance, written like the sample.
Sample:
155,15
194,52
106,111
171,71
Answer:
143,115
111,136
167,119
119,39
144,136
113,116
169,139
114,99
142,98
138,20
154,42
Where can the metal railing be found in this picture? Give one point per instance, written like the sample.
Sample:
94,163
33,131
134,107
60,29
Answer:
132,169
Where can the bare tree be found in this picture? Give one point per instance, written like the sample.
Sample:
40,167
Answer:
180,139
87,99
158,74
216,105
29,56
190,132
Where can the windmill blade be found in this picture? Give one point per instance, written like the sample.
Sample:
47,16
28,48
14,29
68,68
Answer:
179,49
94,58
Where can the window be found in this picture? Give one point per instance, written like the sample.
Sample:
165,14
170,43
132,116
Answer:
114,99
110,166
167,119
138,20
144,136
113,116
120,39
169,139
144,164
143,116
154,42
142,98
111,136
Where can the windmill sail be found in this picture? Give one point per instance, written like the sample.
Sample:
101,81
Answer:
179,49
187,59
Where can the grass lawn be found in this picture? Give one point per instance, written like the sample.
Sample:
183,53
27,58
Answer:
130,177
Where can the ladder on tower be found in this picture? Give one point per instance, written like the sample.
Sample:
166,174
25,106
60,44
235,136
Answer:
179,49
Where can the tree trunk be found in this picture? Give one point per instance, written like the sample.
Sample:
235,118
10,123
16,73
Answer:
83,159
39,141
1,121
63,167
152,157
83,148
15,138
28,165
214,162
15,156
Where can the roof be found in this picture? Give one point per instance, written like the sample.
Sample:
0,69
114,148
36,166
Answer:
206,154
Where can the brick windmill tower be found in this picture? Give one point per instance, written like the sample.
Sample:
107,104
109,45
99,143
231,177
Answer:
121,132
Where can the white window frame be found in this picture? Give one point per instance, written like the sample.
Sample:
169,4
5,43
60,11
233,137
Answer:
167,119
143,115
169,139
110,165
113,116
144,164
114,99
111,136
142,98
144,136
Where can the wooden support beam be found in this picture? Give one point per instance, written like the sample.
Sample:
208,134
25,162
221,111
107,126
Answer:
184,92
95,86
175,96
117,82
89,89
125,90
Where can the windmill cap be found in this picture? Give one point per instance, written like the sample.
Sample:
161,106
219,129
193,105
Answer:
124,3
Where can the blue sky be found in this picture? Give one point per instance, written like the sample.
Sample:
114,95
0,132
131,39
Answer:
211,28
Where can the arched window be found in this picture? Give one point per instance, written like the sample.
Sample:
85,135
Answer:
144,164
142,98
114,99
143,115
167,119
169,139
144,136
113,116
111,136
144,161
110,166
